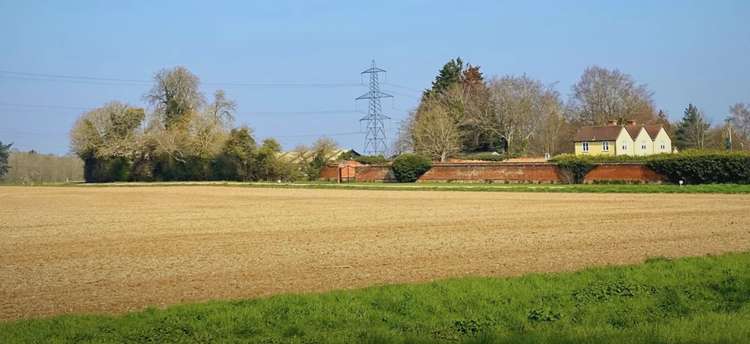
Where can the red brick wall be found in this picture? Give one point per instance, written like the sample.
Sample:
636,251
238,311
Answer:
623,172
374,173
514,173
330,173
494,172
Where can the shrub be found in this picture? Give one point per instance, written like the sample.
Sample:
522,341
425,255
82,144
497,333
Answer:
574,167
407,168
370,159
484,156
702,167
693,167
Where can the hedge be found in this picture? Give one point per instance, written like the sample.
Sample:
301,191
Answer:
703,167
692,167
407,168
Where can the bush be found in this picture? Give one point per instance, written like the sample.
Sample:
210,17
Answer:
574,167
484,156
407,168
370,159
106,170
693,167
702,167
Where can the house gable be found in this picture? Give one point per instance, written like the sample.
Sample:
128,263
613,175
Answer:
624,144
662,142
643,143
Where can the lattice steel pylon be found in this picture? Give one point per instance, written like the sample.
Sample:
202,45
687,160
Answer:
375,138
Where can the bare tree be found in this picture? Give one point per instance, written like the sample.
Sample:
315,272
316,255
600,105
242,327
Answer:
602,95
222,109
32,167
526,114
740,117
435,131
175,96
404,141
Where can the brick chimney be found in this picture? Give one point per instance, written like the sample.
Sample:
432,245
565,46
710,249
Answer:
612,122
631,122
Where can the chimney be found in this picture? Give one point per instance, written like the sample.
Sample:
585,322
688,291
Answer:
631,122
612,122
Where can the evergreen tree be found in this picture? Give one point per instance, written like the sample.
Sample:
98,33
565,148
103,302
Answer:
4,154
450,74
691,131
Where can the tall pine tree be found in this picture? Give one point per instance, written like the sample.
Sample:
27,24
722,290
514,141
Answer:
448,75
691,131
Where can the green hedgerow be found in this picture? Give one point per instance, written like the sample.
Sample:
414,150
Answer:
409,167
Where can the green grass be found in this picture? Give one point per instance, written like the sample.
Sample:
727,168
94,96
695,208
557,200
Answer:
692,300
486,187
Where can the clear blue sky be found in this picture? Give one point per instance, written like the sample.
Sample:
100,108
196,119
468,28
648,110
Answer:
686,51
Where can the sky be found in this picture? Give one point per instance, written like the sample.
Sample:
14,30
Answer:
293,67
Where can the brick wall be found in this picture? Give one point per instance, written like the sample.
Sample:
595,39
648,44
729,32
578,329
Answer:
623,172
330,173
374,173
507,172
493,172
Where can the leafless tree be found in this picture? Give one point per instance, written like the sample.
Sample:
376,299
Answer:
175,96
32,167
602,95
435,131
740,117
404,141
526,113
222,109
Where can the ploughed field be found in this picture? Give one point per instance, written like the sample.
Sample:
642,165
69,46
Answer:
116,249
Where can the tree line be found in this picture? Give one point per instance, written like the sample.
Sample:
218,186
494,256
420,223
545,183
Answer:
185,137
517,115
30,167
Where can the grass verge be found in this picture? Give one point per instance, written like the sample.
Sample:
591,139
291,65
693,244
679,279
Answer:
691,300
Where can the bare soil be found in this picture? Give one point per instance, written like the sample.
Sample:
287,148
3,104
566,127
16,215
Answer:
118,249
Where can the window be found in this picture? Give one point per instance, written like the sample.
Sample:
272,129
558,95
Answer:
625,147
585,147
663,146
643,146
605,146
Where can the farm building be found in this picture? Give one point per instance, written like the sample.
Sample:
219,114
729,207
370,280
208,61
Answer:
630,139
298,156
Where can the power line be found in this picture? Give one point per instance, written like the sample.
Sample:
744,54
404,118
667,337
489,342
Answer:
321,112
320,135
251,113
137,82
38,106
403,87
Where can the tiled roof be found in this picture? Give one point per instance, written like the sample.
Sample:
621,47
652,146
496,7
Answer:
610,132
653,130
604,133
633,130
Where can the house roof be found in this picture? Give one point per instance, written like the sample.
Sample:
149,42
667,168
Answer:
633,130
653,130
603,133
610,132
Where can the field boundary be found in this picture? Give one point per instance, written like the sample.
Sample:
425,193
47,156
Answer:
436,186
